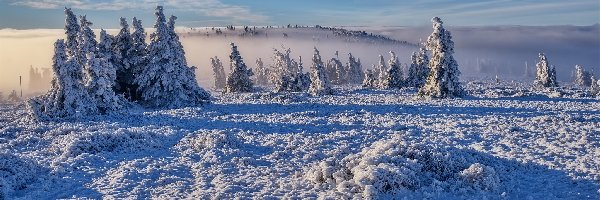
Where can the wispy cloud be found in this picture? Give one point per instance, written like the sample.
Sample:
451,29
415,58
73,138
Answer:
210,8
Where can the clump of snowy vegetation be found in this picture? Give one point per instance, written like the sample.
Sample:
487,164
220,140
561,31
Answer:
393,167
288,75
74,145
16,174
218,73
545,74
319,82
87,73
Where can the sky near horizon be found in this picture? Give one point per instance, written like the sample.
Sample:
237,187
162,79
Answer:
33,14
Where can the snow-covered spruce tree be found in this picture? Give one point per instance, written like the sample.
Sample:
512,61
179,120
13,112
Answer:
122,46
71,30
218,73
86,40
582,77
545,74
166,81
337,70
137,58
394,73
353,70
287,73
369,80
67,96
443,78
101,76
382,73
239,78
319,82
14,97
418,70
262,73
594,87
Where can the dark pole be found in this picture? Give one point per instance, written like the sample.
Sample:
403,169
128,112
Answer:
21,87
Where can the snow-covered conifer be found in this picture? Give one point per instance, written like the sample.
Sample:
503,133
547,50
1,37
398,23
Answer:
262,73
443,78
319,82
101,76
382,73
86,40
582,77
394,73
545,74
218,73
353,70
594,86
369,80
337,70
137,58
287,73
71,30
67,96
167,81
239,78
13,97
418,70
122,46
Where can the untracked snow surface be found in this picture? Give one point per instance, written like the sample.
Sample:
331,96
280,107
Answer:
499,142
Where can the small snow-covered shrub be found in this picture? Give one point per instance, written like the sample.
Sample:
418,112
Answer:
15,174
97,142
394,167
481,177
217,139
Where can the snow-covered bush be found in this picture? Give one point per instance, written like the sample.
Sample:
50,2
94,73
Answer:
393,75
218,73
595,87
392,167
319,82
354,73
545,74
481,177
167,81
239,77
13,97
382,73
99,142
443,78
336,70
16,174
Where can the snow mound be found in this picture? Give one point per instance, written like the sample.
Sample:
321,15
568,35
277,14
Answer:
393,167
15,174
216,139
119,140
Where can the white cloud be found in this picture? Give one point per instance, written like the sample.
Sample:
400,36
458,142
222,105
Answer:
211,8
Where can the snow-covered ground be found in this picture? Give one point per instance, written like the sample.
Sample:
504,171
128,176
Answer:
500,142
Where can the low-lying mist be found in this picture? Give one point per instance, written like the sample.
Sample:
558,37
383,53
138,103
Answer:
482,52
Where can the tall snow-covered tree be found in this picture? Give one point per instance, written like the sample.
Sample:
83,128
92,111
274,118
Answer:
239,78
353,70
101,75
86,40
262,73
382,73
582,77
67,96
319,82
122,46
545,74
443,78
218,73
137,59
337,70
419,69
394,78
71,30
166,81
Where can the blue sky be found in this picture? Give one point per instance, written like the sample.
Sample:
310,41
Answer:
26,14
